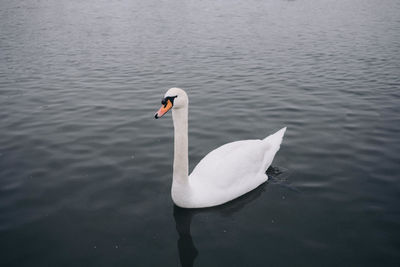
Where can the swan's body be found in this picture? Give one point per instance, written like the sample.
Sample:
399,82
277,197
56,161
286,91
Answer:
223,174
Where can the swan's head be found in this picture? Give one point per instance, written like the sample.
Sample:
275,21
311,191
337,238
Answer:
174,98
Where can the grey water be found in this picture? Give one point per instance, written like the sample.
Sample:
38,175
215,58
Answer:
85,170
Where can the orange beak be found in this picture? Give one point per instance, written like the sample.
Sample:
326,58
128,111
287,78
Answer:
164,109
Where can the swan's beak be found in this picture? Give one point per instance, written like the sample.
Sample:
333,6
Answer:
164,109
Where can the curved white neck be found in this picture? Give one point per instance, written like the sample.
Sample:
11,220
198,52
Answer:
181,161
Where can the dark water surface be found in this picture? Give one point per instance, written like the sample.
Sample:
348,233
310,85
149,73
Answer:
85,170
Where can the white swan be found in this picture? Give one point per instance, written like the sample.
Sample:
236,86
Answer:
226,172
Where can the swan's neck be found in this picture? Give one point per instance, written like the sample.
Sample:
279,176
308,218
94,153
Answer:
181,161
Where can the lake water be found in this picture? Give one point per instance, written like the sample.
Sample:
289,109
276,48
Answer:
85,170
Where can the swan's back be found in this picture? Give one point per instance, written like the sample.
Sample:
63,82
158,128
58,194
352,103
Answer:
233,170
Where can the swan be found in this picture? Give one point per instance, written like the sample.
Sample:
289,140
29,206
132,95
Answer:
223,174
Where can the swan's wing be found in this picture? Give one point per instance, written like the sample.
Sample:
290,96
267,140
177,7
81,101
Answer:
231,165
238,163
232,170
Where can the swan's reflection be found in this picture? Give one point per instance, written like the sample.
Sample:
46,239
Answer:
183,218
186,248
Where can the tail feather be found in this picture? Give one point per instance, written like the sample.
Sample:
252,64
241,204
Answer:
274,142
277,137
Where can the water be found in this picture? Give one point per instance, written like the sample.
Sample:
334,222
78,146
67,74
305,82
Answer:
85,170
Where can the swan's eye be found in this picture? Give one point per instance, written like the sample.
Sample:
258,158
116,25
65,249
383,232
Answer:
167,104
170,98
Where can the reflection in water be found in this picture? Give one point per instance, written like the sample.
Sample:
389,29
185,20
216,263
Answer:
186,248
183,218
